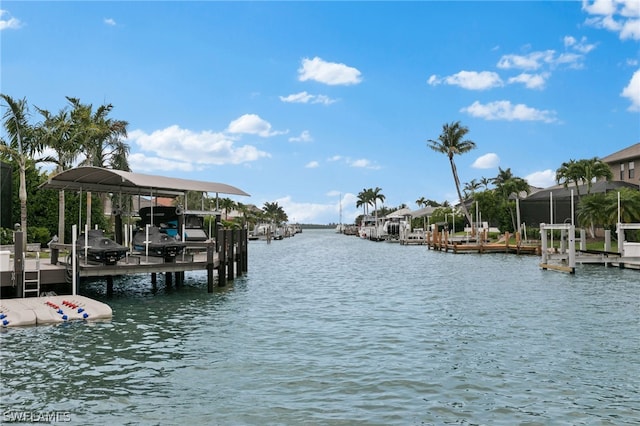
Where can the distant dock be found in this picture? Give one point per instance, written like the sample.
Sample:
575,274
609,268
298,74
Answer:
443,242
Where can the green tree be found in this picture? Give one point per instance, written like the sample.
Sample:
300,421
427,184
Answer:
55,133
21,147
101,139
364,200
507,187
582,172
451,142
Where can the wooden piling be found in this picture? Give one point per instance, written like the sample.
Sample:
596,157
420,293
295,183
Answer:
210,252
230,254
18,262
222,258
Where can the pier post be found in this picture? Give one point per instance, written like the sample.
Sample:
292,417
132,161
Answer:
18,261
245,251
109,286
231,254
210,251
607,240
544,250
222,258
168,278
118,226
154,279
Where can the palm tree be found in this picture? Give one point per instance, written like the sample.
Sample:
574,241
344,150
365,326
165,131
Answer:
629,206
594,169
55,133
472,186
421,202
364,199
375,196
21,146
583,172
101,139
227,204
507,185
486,182
592,211
451,143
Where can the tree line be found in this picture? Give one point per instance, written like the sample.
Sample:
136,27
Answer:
496,197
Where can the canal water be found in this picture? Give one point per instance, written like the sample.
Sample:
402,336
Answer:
328,329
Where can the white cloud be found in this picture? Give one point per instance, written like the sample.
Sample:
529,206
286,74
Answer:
143,163
335,158
618,16
178,146
8,22
312,165
531,81
110,22
542,179
487,161
471,80
305,136
532,61
632,92
363,163
252,124
304,98
581,46
330,73
505,110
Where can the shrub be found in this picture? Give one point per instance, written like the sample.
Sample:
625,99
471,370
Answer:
38,235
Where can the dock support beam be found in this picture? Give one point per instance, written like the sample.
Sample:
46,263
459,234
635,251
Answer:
210,251
18,262
222,258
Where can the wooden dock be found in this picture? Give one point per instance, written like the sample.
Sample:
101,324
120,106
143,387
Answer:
223,259
443,242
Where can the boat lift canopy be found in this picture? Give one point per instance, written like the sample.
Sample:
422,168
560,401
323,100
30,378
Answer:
98,179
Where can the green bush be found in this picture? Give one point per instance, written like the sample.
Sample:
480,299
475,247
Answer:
38,235
6,236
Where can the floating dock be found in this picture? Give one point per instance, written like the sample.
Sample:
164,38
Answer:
51,310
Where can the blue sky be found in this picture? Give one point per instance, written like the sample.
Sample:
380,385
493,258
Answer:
308,103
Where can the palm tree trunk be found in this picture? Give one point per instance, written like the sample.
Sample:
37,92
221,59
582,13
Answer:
457,182
23,201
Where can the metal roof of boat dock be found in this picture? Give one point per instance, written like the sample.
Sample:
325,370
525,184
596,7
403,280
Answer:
98,179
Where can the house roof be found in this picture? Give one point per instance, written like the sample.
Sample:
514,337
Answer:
425,211
560,192
97,179
624,154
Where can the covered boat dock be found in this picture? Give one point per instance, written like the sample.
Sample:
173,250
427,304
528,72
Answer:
224,252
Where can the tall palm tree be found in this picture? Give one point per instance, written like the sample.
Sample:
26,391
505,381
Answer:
376,195
21,146
55,133
451,142
364,199
421,202
101,139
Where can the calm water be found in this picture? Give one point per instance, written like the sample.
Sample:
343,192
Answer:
333,330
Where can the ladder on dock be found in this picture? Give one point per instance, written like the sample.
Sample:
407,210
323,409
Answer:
31,279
